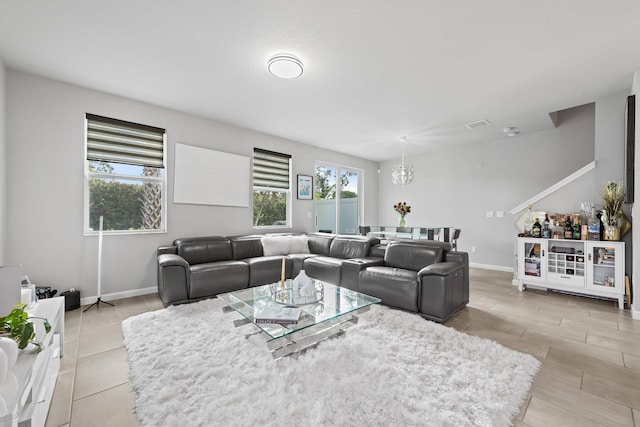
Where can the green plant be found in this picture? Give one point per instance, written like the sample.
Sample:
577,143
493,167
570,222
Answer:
19,327
613,199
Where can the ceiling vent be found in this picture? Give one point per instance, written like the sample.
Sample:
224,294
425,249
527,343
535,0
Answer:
478,124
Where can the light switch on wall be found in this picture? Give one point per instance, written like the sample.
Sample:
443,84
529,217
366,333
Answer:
489,214
499,214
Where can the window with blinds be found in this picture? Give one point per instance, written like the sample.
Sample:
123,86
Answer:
110,140
125,180
271,188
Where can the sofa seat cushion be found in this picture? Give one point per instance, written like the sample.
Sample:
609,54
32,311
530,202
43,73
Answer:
267,269
324,268
297,261
396,287
206,280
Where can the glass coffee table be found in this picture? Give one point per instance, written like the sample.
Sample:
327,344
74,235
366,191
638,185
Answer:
330,316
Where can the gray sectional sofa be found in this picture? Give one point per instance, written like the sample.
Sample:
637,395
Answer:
416,275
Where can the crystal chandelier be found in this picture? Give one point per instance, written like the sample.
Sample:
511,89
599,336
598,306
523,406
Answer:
403,172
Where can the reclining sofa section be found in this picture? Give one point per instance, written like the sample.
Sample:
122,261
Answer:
424,277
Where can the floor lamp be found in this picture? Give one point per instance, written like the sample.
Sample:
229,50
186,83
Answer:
99,300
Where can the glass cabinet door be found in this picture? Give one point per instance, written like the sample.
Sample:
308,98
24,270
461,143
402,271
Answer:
605,267
532,259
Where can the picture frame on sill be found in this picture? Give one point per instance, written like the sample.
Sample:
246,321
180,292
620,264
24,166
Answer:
305,187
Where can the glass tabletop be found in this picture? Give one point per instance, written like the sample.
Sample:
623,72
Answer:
337,302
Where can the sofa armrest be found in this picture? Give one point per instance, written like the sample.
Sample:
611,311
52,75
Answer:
173,279
440,269
443,290
352,267
167,250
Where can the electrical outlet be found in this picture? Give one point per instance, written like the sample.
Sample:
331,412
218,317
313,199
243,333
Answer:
499,214
473,249
489,214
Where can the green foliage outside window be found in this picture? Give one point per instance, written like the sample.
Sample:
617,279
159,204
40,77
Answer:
325,187
124,205
269,208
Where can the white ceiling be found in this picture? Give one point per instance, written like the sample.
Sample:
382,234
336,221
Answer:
374,70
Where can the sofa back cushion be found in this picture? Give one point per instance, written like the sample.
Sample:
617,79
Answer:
350,247
285,245
244,247
199,250
320,243
411,257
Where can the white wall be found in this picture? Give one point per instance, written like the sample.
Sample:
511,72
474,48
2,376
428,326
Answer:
456,187
45,187
3,166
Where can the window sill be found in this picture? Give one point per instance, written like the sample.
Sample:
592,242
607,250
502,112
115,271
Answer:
123,232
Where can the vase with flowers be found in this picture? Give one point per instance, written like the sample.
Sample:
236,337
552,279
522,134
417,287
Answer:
403,209
612,212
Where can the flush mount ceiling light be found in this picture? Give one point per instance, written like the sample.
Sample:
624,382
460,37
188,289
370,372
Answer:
511,131
285,66
402,173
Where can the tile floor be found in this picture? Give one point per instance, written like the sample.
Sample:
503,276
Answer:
590,353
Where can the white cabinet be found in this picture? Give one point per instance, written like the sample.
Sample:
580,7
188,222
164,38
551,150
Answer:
593,268
37,372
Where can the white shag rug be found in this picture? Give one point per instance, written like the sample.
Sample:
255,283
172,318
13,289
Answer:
190,366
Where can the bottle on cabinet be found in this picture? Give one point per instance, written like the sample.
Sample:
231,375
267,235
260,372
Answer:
528,222
568,229
576,227
546,229
536,230
593,226
558,229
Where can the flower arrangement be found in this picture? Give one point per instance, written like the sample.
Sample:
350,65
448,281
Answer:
613,199
402,208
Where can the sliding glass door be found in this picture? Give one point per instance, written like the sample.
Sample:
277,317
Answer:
337,204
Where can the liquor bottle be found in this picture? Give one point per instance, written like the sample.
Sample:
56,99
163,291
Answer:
536,230
546,230
558,230
593,225
568,229
576,227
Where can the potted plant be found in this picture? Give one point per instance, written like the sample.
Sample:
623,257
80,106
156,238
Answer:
18,326
612,212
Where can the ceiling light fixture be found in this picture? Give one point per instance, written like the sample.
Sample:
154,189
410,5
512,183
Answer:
285,66
402,173
511,131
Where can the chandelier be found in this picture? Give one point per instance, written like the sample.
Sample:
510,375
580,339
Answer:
403,172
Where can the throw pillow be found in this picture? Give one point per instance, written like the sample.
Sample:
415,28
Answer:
298,244
284,245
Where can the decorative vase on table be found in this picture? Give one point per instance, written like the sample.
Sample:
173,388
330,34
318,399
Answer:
611,232
612,212
402,208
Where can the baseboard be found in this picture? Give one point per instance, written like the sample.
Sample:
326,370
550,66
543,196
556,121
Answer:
491,267
119,295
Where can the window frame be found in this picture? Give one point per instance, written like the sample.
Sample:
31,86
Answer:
88,175
287,192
